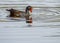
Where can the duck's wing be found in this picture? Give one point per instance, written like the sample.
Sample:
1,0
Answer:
22,11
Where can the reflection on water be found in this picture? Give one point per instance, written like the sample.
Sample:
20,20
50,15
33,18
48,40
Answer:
53,36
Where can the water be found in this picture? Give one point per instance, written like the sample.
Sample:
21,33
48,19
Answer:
45,27
19,32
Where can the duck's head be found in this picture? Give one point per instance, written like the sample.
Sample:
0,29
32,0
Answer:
28,8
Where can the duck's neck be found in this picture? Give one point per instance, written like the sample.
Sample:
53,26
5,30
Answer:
28,13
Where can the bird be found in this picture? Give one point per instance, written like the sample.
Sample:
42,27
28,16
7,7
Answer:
22,14
16,13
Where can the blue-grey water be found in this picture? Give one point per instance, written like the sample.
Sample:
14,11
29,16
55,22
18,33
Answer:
45,27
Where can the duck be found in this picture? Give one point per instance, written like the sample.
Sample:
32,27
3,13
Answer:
21,14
